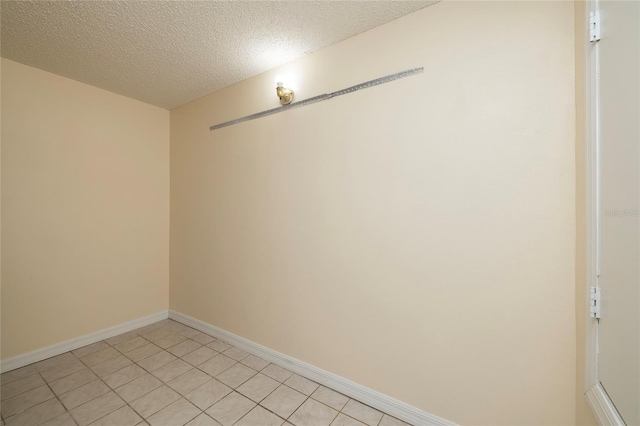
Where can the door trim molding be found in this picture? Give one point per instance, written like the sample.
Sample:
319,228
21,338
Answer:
592,198
602,407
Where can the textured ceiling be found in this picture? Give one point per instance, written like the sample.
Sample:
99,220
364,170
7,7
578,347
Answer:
167,53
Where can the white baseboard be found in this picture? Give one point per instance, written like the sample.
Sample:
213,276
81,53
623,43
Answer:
69,345
363,394
602,407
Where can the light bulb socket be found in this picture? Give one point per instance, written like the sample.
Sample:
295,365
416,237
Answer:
285,95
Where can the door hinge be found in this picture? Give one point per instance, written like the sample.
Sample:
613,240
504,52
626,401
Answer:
594,26
595,302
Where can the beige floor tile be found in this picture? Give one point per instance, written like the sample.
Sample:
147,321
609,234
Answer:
362,412
258,387
218,345
121,338
208,394
157,334
183,330
330,397
155,401
84,393
284,401
202,338
277,373
19,373
36,415
235,353
111,366
97,408
56,361
177,327
391,421
301,384
151,327
260,417
26,400
172,370
99,357
63,420
169,324
130,345
343,420
255,362
203,420
313,413
72,381
177,413
236,375
59,371
187,332
199,356
89,349
189,381
230,409
124,416
186,391
170,340
156,361
183,348
138,387
124,376
19,386
216,365
143,352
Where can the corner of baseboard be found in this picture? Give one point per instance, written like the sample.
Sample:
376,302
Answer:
601,405
72,344
373,398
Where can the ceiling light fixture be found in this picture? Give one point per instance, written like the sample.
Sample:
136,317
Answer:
285,95
289,94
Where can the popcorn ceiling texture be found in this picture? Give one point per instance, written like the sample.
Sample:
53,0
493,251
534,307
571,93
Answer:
167,53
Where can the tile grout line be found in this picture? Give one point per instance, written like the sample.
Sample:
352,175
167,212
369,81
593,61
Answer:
149,372
46,383
52,392
163,383
258,404
59,401
126,404
133,363
307,396
173,327
281,384
97,379
28,390
93,399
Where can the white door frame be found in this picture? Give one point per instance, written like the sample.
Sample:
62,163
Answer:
598,399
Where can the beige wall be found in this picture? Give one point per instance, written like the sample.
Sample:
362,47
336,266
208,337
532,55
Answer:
85,209
418,237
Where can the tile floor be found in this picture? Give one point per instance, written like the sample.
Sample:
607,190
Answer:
170,374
